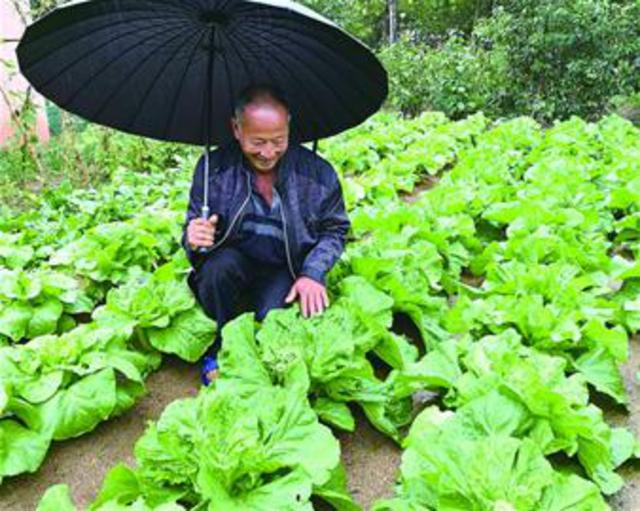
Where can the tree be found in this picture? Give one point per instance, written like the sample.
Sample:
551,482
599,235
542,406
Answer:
437,17
365,19
567,57
392,13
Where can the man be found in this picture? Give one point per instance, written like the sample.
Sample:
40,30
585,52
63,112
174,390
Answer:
278,221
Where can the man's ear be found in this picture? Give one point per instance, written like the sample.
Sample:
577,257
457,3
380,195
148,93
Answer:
235,128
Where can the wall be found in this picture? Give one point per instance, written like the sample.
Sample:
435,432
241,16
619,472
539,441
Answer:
11,28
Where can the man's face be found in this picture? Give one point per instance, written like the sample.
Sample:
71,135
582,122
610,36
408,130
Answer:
263,134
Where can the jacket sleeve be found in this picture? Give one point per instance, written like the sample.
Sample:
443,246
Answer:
333,226
194,210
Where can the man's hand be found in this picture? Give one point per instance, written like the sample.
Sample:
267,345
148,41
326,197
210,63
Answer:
313,296
200,232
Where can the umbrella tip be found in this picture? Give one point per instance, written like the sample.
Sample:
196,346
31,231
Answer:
214,17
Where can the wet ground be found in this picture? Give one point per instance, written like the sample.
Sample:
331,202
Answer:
371,459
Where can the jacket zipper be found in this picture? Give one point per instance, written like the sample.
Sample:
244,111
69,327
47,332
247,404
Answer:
235,218
286,236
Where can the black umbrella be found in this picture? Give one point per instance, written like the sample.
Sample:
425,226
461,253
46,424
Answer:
172,69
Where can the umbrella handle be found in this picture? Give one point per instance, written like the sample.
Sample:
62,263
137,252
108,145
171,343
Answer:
208,92
205,204
205,215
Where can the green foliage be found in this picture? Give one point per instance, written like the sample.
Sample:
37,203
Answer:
61,386
427,18
567,57
39,303
363,19
549,59
266,451
387,154
477,459
41,7
65,214
80,158
421,19
457,78
324,357
161,309
519,269
109,252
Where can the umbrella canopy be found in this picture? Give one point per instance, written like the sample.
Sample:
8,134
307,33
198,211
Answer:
172,69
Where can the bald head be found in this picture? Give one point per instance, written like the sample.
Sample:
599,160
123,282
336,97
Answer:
261,105
260,97
261,126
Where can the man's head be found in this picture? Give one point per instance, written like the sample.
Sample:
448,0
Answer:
261,126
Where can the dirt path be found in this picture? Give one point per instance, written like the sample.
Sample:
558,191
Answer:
629,498
371,459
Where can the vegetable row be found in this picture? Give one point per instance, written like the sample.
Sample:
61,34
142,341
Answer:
519,272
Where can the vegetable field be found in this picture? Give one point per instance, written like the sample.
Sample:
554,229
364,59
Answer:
480,318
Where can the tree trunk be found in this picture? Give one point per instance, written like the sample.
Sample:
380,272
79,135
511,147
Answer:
392,12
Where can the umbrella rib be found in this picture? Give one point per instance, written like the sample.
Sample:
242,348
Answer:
139,66
154,81
285,16
224,6
92,34
208,91
265,11
174,104
179,5
327,83
228,34
248,71
84,55
311,70
230,87
330,50
247,68
280,12
111,62
289,73
60,12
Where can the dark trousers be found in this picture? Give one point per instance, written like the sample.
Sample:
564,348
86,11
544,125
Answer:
228,279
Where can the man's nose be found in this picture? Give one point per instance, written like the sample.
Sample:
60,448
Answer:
268,153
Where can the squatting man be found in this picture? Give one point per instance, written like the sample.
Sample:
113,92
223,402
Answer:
278,221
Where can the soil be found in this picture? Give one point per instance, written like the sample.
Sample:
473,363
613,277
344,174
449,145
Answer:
628,499
371,459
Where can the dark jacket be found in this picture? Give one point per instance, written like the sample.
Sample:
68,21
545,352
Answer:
315,220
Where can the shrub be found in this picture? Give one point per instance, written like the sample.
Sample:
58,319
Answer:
547,58
566,57
458,78
428,17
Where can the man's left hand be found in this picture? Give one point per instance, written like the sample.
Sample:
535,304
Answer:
313,296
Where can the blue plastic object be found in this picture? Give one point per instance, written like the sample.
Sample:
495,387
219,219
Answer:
208,364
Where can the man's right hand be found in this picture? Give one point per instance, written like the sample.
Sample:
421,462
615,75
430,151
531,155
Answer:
201,232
